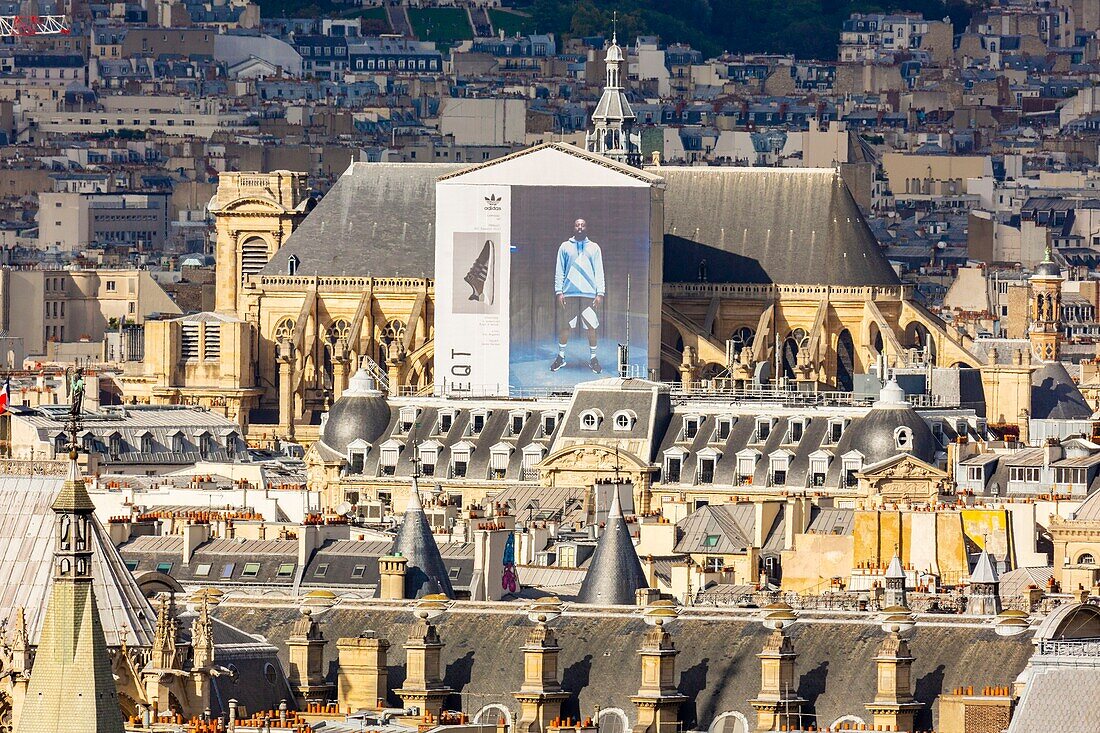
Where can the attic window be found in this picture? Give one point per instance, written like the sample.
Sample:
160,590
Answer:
251,570
835,432
903,438
723,429
407,418
711,540
446,419
796,430
358,571
227,570
321,571
292,264
624,420
516,421
549,423
164,567
590,419
453,573
763,430
691,427
202,570
286,569
477,421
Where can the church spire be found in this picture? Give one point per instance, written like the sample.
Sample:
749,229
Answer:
72,688
612,133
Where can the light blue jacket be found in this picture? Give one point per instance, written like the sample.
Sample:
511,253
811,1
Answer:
579,271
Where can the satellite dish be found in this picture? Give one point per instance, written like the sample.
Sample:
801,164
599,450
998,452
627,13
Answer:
344,508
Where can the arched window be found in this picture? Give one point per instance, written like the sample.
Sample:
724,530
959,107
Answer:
340,330
1086,558
903,438
590,419
284,330
624,420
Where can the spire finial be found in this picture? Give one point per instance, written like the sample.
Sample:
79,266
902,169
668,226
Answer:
615,27
1048,255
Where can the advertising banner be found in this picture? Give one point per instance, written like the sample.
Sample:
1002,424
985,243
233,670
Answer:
542,276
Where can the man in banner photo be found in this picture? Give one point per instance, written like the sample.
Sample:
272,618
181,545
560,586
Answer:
579,289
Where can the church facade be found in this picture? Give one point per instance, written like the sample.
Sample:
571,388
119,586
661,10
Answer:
759,278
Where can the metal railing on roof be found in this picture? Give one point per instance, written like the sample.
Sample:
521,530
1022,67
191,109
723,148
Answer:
1089,647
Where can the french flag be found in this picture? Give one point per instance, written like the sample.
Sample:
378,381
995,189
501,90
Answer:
5,396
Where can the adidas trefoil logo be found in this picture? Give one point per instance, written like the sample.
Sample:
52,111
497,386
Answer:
493,202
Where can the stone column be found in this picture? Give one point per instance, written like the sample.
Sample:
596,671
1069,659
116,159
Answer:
285,351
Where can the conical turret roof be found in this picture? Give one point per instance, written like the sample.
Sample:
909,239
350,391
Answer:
615,573
425,573
984,572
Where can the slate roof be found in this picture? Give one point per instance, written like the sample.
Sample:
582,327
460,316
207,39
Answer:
1054,395
717,665
723,529
1044,706
378,219
615,573
754,225
27,541
757,225
425,573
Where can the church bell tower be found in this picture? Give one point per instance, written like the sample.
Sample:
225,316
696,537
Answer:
612,134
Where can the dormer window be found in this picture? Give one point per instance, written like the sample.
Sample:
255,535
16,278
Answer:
292,264
477,421
746,466
707,460
779,463
445,421
853,464
114,445
819,468
903,438
146,443
516,421
796,429
961,427
835,431
428,452
937,431
591,419
460,459
177,442
499,455
407,418
388,456
549,423
723,428
763,429
624,420
60,444
532,454
691,426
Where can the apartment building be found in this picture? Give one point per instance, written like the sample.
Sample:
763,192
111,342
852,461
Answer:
72,221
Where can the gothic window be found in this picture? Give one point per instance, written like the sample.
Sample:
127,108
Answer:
340,330
391,332
284,330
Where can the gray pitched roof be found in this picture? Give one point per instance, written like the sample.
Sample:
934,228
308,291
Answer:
789,225
425,573
726,524
1054,396
378,219
615,573
717,664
